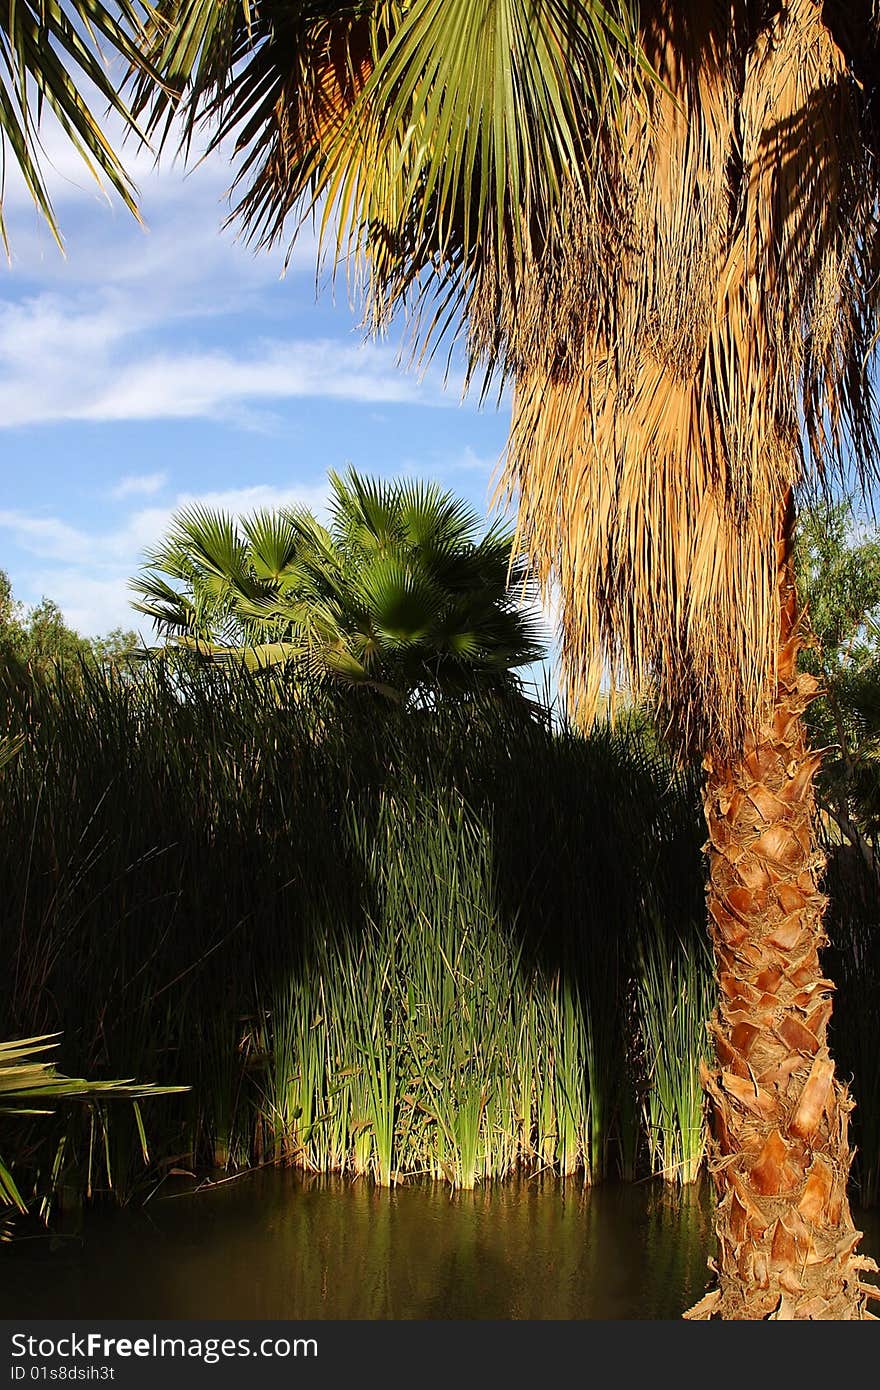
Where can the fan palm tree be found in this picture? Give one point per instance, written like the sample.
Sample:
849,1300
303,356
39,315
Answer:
51,53
659,221
400,594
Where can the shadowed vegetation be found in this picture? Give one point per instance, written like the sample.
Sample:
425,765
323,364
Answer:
391,947
398,948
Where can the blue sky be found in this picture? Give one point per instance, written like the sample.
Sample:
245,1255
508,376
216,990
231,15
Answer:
153,367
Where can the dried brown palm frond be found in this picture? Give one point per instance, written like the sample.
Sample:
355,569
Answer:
695,343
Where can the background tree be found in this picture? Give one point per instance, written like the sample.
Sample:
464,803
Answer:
40,638
838,564
685,298
400,593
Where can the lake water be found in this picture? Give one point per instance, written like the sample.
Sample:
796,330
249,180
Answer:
275,1245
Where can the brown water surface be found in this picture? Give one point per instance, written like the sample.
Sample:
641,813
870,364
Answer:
273,1245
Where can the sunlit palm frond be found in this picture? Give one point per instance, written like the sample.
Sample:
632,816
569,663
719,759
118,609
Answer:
29,1084
435,134
171,611
273,543
455,153
363,513
50,51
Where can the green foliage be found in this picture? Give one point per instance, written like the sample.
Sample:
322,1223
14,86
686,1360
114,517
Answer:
838,567
458,942
40,639
676,994
838,564
392,947
401,593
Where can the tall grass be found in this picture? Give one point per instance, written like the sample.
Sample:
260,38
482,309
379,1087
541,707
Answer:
386,944
676,994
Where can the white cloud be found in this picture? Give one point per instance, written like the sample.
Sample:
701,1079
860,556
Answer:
175,319
99,335
52,538
472,462
47,536
86,570
259,497
199,385
138,485
91,605
66,360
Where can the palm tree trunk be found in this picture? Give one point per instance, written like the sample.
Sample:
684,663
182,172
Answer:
779,1153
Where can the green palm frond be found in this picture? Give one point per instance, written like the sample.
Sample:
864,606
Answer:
273,543
170,610
212,543
363,512
435,134
401,593
402,600
30,1085
475,116
50,50
438,519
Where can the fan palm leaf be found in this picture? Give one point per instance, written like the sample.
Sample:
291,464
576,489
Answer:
400,592
434,133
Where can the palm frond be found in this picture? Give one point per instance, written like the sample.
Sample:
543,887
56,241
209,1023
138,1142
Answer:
31,1085
681,366
50,50
435,134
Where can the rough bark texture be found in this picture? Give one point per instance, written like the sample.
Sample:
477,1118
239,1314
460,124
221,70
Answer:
779,1153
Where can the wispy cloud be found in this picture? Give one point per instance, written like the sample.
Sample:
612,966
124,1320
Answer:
472,462
178,320
197,385
63,361
138,485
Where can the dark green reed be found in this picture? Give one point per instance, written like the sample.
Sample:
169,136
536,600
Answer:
453,942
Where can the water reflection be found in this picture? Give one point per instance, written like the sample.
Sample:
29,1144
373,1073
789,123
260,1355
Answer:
274,1245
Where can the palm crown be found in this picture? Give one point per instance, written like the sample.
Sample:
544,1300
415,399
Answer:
669,249
399,592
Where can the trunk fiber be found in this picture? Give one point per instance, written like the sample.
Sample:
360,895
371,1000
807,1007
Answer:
779,1153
